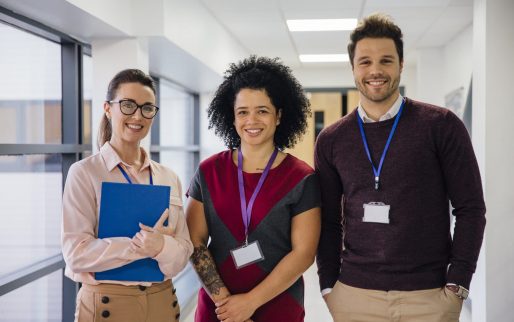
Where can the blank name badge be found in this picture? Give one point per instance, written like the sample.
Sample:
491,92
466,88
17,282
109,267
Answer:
247,254
376,212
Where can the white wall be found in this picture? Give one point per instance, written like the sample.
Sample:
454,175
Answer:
493,133
458,62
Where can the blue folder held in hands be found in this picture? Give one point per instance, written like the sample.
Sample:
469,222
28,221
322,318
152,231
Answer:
123,206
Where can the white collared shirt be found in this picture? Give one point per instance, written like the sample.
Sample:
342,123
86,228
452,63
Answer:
388,115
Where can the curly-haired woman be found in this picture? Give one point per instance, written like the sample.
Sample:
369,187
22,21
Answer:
258,205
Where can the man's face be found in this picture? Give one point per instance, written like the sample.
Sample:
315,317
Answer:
376,69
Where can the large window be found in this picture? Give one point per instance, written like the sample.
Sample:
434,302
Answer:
42,75
46,108
175,144
175,137
30,99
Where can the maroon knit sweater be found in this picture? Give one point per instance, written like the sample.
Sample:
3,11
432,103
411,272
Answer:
430,163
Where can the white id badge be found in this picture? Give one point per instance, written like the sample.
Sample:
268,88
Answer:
246,255
376,212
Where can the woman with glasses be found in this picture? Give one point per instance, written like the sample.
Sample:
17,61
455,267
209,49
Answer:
129,112
258,205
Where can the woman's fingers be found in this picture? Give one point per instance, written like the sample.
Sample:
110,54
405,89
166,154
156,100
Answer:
160,222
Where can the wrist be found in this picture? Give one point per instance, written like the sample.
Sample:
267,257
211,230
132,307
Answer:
458,290
223,293
254,299
160,247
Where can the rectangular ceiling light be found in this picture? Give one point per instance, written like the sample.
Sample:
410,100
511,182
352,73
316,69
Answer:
321,24
336,58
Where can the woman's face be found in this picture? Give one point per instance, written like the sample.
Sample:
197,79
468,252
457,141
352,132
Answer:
129,128
255,117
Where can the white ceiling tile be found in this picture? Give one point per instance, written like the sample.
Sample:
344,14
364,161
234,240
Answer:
406,4
261,28
309,5
320,13
241,6
468,3
447,26
330,42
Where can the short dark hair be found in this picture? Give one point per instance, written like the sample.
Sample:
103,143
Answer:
284,91
376,26
122,77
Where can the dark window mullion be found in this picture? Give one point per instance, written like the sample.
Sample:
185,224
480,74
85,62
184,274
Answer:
196,130
72,113
155,135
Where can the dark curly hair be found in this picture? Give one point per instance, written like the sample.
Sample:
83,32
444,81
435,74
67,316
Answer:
284,91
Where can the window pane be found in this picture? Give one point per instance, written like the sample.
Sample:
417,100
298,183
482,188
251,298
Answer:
87,82
181,163
39,301
31,209
176,119
30,99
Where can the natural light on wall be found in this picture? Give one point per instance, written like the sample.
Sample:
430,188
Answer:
321,24
336,58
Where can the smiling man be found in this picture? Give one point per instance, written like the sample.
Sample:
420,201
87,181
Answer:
388,173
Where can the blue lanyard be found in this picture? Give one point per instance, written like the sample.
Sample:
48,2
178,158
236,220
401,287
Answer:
128,178
247,211
366,147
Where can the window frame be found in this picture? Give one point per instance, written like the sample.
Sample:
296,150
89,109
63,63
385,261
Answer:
155,141
72,148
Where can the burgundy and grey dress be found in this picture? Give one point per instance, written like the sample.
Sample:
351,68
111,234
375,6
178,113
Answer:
290,189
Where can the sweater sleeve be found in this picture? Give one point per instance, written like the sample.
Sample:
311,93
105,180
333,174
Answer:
464,188
331,239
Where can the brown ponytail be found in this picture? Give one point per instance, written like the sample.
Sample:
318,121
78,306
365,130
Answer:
104,132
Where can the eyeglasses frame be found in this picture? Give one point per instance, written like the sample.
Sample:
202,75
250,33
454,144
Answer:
138,107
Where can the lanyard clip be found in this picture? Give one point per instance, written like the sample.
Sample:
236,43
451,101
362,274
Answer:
246,241
377,183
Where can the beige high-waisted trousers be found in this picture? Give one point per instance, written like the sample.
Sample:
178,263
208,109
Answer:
119,303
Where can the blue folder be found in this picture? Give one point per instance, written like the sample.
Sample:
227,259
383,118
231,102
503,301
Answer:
123,206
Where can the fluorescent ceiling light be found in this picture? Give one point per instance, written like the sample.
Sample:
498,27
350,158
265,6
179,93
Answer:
337,58
321,24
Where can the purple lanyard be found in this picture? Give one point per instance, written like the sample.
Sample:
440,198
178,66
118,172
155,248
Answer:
128,178
247,211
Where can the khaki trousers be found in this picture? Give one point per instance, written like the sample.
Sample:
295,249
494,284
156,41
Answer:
351,304
119,303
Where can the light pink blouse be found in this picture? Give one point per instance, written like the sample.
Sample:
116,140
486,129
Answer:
83,252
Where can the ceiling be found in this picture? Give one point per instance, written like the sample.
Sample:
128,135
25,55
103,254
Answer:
260,26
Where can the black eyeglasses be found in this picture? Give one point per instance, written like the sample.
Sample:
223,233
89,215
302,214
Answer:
129,107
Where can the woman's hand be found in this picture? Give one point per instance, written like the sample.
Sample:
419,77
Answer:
235,308
159,225
149,241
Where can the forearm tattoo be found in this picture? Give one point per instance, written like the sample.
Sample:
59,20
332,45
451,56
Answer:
204,265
